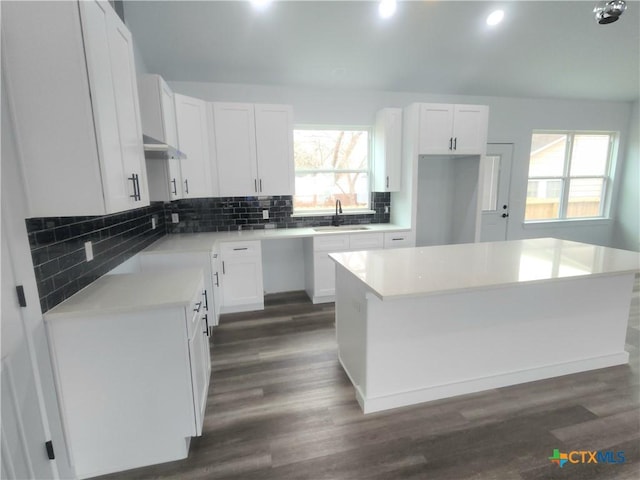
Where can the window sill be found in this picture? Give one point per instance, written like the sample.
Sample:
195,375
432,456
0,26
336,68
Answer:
329,213
574,222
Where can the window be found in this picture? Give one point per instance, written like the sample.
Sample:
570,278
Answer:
331,165
569,174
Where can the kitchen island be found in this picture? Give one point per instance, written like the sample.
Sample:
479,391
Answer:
419,324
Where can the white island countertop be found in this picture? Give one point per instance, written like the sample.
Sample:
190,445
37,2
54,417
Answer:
131,292
203,242
413,272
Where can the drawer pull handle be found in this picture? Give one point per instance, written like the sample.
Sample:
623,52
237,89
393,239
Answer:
241,248
175,187
198,306
206,322
206,300
394,239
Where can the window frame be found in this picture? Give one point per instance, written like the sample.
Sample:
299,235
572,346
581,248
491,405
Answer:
565,179
346,210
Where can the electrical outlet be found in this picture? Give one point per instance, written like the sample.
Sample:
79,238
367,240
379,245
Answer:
175,218
154,222
265,214
88,250
386,209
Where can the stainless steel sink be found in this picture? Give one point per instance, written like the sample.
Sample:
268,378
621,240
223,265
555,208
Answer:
341,228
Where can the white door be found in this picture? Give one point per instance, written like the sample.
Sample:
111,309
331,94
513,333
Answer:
495,197
25,426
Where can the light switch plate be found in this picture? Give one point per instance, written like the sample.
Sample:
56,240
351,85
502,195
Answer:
88,250
265,214
175,218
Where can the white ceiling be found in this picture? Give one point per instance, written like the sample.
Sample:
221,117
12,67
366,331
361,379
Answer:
542,48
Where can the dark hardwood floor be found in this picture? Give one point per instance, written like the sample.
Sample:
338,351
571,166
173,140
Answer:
280,407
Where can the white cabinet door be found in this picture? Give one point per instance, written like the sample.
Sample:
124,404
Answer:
242,284
436,123
324,275
127,108
453,129
387,150
274,144
200,360
169,120
193,140
234,130
157,109
470,129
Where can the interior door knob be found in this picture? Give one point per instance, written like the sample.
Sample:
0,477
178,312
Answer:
505,215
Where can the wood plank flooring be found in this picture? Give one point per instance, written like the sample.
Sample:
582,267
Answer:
280,407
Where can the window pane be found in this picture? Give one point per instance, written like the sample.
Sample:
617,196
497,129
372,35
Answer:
331,149
543,199
491,178
585,196
547,154
589,155
321,190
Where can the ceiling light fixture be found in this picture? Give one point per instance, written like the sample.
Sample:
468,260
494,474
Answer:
387,8
260,4
609,12
495,17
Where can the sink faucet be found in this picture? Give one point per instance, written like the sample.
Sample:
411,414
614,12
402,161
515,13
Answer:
336,218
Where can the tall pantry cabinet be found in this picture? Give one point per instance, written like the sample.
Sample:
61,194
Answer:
70,76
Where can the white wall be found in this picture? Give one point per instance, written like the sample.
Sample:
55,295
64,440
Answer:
511,120
626,232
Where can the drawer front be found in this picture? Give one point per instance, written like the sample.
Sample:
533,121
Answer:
331,243
240,249
397,239
366,241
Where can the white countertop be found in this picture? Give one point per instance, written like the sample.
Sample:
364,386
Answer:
203,242
411,272
131,292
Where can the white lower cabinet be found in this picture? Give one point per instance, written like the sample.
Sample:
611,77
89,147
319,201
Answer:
320,270
241,280
131,362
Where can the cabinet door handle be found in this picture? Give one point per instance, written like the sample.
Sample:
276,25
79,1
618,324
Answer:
206,300
387,181
206,322
186,185
255,185
455,143
136,187
217,279
260,185
223,272
175,187
450,143
198,306
241,248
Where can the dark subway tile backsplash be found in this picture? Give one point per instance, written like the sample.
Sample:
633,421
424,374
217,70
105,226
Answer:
233,213
57,248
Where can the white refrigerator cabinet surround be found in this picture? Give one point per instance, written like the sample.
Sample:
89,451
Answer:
453,129
254,149
193,140
71,80
241,279
131,362
387,150
157,109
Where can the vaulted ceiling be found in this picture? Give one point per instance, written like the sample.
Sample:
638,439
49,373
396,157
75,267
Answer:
542,49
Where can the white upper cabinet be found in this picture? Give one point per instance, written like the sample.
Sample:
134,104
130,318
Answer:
453,129
71,80
254,149
274,144
193,141
387,150
157,109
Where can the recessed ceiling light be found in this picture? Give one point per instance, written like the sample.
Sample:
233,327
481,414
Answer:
260,4
495,17
387,8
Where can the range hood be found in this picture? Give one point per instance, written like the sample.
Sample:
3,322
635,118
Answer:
156,150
